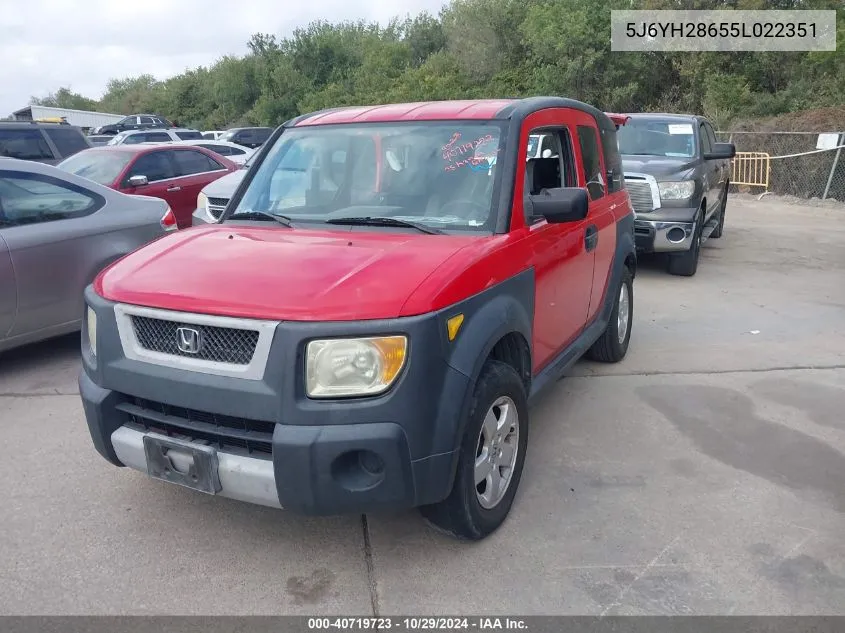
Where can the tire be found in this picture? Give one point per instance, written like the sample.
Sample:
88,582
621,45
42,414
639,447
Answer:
717,232
463,513
612,345
685,264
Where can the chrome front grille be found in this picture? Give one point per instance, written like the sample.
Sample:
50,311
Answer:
216,207
641,195
202,342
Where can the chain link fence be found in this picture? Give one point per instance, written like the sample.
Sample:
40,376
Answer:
795,166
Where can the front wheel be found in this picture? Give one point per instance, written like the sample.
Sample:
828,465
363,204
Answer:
491,457
685,264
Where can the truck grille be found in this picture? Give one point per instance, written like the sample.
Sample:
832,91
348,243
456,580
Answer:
640,193
216,207
221,431
218,344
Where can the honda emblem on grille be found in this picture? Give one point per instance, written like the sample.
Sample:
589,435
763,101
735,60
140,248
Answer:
188,340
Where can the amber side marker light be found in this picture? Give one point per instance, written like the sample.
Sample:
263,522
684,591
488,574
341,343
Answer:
453,325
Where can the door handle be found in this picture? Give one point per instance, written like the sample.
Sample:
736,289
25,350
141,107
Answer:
174,188
591,237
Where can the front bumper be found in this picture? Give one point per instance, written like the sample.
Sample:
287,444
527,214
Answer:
663,237
275,447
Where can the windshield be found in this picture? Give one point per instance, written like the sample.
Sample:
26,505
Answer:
657,137
442,174
100,166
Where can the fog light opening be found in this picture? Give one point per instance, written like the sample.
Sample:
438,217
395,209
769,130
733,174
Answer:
358,470
676,235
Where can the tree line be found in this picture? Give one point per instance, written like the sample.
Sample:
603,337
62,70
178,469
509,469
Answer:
477,49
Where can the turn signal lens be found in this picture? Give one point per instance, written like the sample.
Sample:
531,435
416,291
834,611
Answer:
338,368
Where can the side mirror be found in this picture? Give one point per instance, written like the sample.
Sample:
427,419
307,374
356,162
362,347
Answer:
566,204
138,181
721,151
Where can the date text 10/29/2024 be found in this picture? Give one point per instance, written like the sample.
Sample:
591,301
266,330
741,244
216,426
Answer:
416,624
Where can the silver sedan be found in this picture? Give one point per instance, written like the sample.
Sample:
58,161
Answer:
57,231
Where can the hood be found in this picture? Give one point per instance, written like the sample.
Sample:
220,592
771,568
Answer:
657,165
225,186
279,274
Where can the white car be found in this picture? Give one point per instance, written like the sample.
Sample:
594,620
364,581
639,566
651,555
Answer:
213,135
234,152
133,137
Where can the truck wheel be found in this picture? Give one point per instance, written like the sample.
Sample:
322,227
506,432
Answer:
686,264
717,232
490,459
612,345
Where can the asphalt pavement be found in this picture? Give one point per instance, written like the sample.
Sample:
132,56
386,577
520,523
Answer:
705,474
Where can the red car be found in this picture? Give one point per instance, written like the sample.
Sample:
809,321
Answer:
386,292
175,174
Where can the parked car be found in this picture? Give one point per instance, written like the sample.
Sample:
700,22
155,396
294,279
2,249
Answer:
212,135
677,175
154,136
174,173
99,139
234,152
135,122
47,143
214,197
57,231
377,345
252,137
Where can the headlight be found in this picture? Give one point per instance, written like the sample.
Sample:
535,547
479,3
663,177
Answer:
91,322
676,190
202,202
337,368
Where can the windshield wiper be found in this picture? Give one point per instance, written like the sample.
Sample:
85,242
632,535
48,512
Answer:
376,221
261,215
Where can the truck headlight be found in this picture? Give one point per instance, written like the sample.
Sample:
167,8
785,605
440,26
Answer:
337,368
676,190
91,324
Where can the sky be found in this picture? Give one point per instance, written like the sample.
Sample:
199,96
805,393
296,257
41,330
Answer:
81,44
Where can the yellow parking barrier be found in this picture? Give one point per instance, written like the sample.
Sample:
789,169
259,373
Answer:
751,169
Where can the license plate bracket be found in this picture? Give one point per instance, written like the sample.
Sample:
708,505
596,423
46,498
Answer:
184,463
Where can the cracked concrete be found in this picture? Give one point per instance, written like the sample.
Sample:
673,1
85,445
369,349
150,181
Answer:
703,475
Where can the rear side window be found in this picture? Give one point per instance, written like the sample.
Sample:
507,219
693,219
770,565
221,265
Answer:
612,160
24,144
223,150
591,155
188,136
156,137
191,162
68,142
34,198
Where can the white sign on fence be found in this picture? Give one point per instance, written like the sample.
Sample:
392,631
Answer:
827,141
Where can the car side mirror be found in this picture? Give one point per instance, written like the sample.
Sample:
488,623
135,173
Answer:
564,204
138,181
721,151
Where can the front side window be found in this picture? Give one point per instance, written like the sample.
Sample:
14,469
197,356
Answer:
443,174
657,137
100,166
134,139
157,137
154,165
33,199
188,135
24,144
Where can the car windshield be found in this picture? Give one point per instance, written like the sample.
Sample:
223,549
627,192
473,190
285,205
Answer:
100,166
441,174
657,137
